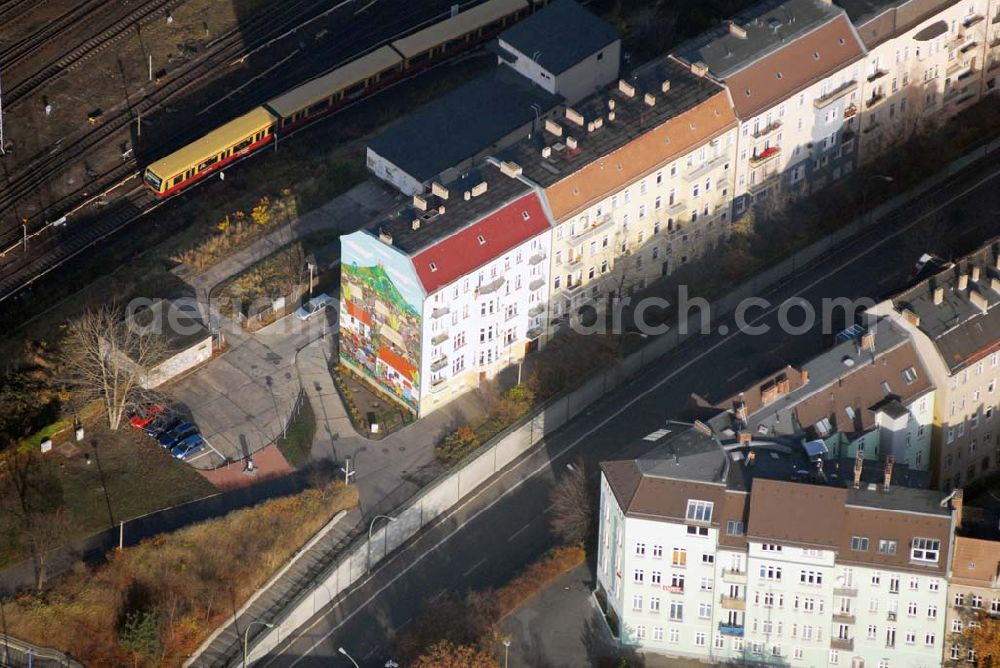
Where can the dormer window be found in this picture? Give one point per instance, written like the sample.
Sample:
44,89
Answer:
525,215
699,511
434,267
925,549
481,239
909,375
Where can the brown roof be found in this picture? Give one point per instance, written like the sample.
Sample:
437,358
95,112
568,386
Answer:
861,389
735,507
662,498
976,561
754,396
798,64
640,156
787,512
902,527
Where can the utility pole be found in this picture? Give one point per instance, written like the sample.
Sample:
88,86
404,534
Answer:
2,150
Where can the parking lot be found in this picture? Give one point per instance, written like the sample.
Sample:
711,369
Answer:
242,399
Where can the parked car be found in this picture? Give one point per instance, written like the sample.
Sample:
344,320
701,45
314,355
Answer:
162,425
171,438
314,306
142,416
189,446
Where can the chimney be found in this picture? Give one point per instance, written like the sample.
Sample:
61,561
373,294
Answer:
570,142
956,507
702,427
611,116
975,273
649,99
805,376
511,169
911,317
546,151
598,123
996,262
479,189
887,478
574,116
466,195
419,203
385,237
745,438
938,295
665,86
626,88
611,104
553,127
858,465
979,301
439,190
741,411
963,281
737,30
699,69
415,225
995,284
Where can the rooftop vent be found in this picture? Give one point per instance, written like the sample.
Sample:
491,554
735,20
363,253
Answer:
553,127
979,301
439,190
665,86
911,317
598,123
611,116
848,361
995,285
479,189
385,237
611,104
699,69
511,169
868,340
571,142
466,195
737,30
774,23
938,295
573,116
626,88
419,203
649,99
546,151
872,487
415,225
975,273
963,281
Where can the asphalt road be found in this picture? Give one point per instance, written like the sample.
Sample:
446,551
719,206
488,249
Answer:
504,526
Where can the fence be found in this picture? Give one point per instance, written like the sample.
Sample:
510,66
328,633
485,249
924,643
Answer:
16,653
439,497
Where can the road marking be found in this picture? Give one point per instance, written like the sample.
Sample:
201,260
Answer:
546,465
519,532
738,374
474,567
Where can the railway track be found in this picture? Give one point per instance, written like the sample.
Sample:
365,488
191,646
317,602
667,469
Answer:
9,9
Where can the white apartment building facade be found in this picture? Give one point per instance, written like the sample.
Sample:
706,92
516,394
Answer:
693,564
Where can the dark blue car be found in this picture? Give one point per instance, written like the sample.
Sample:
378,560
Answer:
189,446
171,438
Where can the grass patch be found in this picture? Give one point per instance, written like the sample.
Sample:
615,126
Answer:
275,276
297,443
139,477
537,577
181,585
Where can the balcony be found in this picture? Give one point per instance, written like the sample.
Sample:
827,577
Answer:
973,20
678,208
763,132
845,591
842,643
571,264
733,603
850,111
438,339
836,94
767,154
890,616
605,224
442,311
438,384
877,74
765,183
491,287
969,47
731,629
536,258
734,577
533,333
439,363
844,618
536,283
536,310
874,99
706,168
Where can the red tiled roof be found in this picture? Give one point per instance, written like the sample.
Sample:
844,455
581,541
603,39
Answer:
398,363
357,312
462,252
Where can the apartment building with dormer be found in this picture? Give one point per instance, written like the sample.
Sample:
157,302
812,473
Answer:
953,317
747,551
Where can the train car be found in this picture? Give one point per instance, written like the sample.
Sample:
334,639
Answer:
459,32
334,89
211,153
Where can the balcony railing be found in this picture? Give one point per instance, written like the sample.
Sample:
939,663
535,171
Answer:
845,591
844,618
439,364
767,154
439,338
877,74
733,602
836,94
842,643
763,132
874,99
731,629
733,576
850,111
537,283
536,258
705,168
605,224
536,310
972,20
492,286
765,183
438,312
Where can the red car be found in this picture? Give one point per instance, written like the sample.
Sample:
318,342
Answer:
146,414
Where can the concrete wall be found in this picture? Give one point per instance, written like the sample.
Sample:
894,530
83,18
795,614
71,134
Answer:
179,363
392,174
585,78
441,496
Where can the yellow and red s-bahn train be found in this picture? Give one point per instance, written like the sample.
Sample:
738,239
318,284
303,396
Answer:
257,128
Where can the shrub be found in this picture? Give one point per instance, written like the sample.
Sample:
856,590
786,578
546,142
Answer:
456,445
538,576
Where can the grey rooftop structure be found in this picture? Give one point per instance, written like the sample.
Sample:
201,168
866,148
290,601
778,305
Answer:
462,124
769,25
581,34
963,322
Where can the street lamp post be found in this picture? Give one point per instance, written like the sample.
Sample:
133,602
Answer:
246,637
506,651
349,657
864,192
371,527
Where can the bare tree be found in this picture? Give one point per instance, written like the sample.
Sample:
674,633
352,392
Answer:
571,516
44,532
107,358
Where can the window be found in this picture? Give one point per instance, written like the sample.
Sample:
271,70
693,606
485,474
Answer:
770,547
640,631
640,549
925,549
654,604
911,609
929,640
886,546
704,611
859,543
708,558
707,584
655,577
911,637
675,635
677,582
481,239
658,633
959,599
956,652
811,577
676,611
734,528
699,511
637,602
914,584
697,531
872,631
657,551
699,639
638,576
834,657
956,626
932,612
679,557
769,572
719,642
